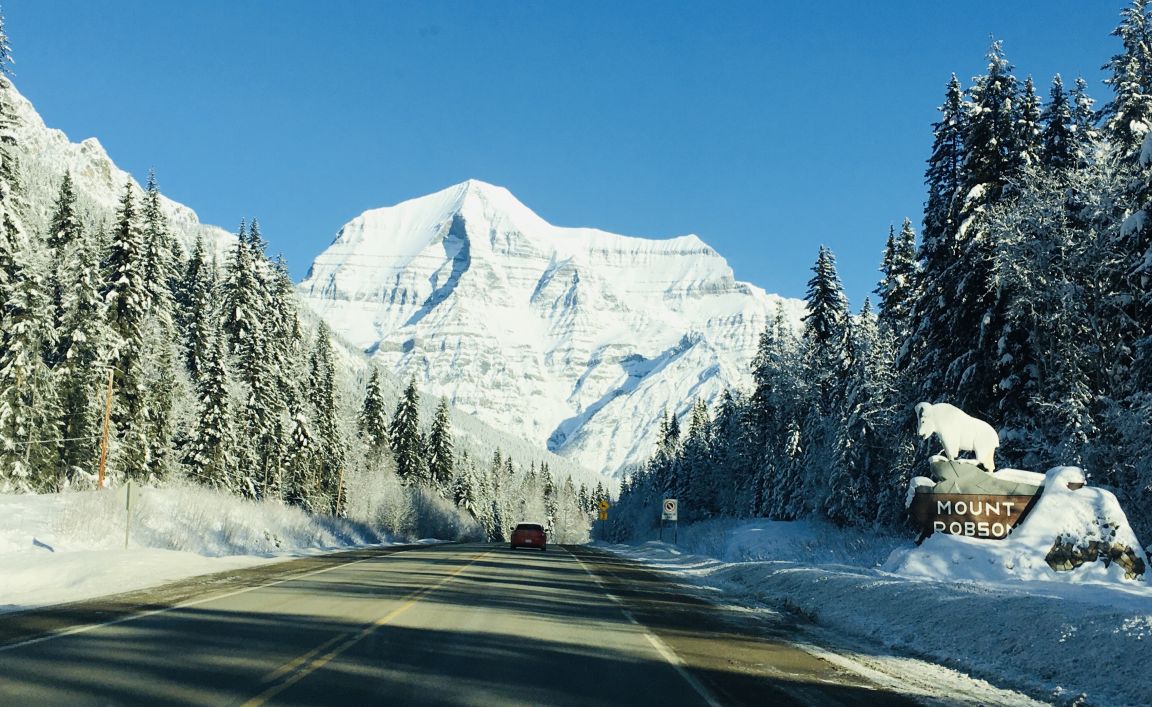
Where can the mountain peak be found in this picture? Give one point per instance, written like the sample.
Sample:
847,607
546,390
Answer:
571,337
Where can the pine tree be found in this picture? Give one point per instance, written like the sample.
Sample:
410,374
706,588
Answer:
404,432
81,368
64,231
464,491
899,288
864,446
27,396
197,314
1084,120
826,329
440,457
127,296
211,454
826,362
161,250
1028,127
300,481
330,450
1128,117
373,421
772,423
242,306
697,483
1059,152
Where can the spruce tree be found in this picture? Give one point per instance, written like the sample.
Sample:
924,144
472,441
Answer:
126,294
81,370
330,450
1128,116
404,432
826,329
899,288
210,456
440,456
826,363
27,397
698,483
373,421
1059,152
197,314
64,231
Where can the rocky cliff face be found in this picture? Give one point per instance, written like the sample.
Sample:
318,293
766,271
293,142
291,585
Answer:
572,337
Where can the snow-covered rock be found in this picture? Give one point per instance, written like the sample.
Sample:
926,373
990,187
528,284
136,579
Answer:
1065,516
572,337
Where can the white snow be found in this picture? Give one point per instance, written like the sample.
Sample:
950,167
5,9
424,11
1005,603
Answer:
66,547
889,606
574,337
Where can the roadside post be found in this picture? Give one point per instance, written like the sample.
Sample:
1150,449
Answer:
670,513
128,511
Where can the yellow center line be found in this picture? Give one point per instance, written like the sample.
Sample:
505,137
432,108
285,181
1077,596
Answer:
309,663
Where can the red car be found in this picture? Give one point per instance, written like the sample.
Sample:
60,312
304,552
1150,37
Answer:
529,535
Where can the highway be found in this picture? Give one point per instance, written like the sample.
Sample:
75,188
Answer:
420,625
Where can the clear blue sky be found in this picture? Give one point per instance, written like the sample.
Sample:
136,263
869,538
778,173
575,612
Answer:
767,128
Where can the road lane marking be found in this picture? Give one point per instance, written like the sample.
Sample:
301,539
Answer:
661,647
300,668
133,617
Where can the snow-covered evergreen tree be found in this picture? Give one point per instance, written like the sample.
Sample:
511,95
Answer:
404,433
327,438
27,395
439,453
81,369
373,420
211,455
127,295
899,286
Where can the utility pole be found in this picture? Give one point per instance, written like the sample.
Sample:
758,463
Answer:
104,435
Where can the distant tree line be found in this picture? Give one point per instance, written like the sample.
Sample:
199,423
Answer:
1027,302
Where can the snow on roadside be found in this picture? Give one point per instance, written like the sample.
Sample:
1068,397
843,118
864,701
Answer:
66,547
1089,642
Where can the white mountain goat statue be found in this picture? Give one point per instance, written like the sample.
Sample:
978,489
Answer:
958,431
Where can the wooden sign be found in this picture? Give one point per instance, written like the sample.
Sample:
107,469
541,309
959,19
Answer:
970,515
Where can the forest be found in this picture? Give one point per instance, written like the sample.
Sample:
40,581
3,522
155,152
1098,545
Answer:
1026,301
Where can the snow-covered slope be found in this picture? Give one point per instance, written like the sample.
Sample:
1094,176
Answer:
572,337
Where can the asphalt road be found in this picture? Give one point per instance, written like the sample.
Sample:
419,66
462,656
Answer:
428,625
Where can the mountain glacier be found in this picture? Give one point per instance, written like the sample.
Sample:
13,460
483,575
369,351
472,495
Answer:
571,337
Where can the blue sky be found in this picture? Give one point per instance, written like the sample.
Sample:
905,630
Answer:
766,128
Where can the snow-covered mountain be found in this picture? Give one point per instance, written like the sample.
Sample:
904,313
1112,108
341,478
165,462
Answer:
572,337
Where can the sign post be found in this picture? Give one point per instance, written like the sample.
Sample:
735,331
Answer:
670,512
128,511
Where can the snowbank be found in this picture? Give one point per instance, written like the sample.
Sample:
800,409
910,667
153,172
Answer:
66,547
1078,519
1056,640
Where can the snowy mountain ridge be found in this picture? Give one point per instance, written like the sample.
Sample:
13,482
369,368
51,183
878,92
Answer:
573,337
